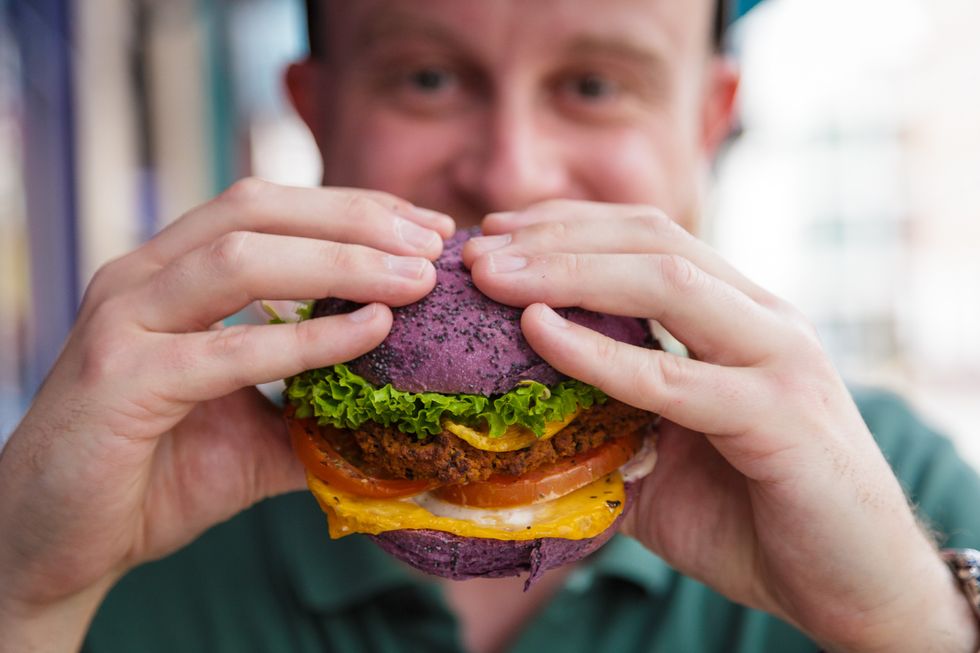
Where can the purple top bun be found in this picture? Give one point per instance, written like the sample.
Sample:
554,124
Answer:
458,340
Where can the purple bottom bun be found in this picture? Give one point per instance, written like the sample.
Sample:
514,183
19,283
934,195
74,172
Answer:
459,558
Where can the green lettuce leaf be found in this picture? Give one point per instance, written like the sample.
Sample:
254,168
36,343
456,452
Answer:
336,396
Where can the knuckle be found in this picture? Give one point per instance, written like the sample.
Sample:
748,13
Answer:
808,348
230,342
103,283
246,191
660,371
103,357
654,222
606,351
227,253
775,303
571,265
339,257
308,339
360,207
387,200
98,363
803,337
552,205
655,378
802,324
809,393
111,312
553,232
105,276
550,210
811,334
680,274
669,369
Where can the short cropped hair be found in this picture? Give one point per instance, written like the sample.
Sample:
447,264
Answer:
314,16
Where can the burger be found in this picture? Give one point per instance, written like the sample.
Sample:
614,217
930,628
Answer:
458,449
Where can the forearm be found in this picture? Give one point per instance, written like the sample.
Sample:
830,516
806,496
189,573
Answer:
60,627
48,592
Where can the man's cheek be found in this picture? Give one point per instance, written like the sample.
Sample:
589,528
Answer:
394,154
637,168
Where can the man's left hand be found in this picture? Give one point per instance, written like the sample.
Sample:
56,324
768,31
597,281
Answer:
785,503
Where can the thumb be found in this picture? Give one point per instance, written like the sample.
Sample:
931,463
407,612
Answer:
272,467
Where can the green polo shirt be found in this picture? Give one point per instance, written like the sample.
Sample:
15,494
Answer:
271,580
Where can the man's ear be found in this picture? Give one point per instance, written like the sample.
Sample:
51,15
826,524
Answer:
305,81
719,103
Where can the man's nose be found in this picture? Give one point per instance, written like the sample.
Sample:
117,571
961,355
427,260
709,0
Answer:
514,159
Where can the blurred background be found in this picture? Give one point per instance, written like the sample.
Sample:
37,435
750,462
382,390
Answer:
852,187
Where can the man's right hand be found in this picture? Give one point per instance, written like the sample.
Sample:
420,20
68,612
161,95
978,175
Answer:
148,430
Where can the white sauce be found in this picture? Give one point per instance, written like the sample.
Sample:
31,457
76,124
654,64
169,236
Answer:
517,517
642,463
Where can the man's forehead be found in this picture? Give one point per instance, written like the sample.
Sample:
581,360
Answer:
665,25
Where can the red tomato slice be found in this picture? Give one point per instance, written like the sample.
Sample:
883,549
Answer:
329,466
546,483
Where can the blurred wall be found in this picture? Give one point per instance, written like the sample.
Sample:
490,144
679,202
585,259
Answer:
854,190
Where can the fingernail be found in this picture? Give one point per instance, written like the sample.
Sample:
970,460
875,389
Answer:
363,314
504,263
490,243
406,266
416,236
439,220
550,317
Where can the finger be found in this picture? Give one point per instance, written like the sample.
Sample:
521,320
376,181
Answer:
612,234
211,364
370,218
216,280
698,395
598,227
716,321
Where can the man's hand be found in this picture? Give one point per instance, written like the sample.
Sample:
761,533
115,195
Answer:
785,504
147,431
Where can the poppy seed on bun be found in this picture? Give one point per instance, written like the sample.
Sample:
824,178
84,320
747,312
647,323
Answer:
458,340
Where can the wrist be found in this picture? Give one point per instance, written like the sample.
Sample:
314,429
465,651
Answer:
935,616
60,626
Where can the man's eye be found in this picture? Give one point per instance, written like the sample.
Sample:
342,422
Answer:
425,89
430,80
593,87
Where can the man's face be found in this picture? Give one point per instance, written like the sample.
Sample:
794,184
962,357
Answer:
475,106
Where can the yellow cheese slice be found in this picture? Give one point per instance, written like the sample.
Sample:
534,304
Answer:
584,513
514,438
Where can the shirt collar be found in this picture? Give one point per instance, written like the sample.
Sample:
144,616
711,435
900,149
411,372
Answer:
742,7
327,575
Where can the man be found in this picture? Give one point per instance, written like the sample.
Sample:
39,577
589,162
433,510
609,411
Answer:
770,488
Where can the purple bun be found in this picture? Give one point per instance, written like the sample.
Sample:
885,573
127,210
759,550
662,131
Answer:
458,340
459,558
